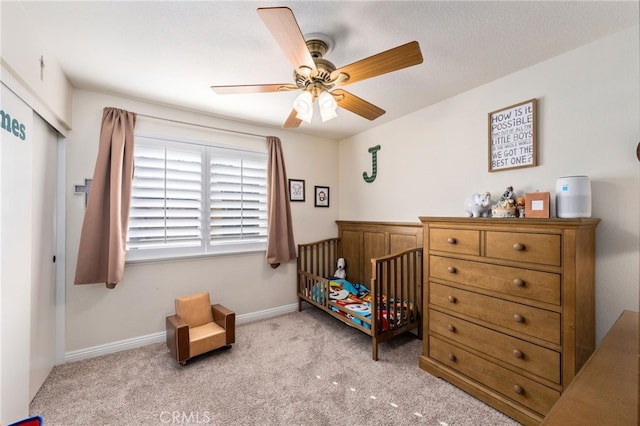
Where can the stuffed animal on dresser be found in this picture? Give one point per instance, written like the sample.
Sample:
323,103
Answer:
478,205
506,205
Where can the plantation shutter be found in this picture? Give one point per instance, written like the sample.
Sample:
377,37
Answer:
238,197
167,201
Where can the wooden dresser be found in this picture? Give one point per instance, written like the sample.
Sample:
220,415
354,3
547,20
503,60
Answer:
509,308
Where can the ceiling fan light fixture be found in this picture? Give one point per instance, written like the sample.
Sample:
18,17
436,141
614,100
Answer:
304,106
304,102
306,117
327,114
327,105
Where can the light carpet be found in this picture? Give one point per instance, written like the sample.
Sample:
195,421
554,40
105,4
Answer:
302,368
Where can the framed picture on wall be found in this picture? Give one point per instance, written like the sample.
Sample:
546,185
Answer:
296,190
513,137
322,196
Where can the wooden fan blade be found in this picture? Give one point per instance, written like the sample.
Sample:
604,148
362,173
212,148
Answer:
256,88
357,105
292,122
284,28
390,60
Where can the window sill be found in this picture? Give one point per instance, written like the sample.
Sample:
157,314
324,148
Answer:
191,257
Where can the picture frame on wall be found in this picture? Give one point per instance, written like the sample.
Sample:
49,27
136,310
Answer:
513,137
321,196
296,190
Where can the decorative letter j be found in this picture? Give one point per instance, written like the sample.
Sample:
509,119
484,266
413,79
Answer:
374,158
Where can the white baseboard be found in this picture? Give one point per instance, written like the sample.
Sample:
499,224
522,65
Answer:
160,337
267,313
118,346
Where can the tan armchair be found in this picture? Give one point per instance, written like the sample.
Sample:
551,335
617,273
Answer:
199,327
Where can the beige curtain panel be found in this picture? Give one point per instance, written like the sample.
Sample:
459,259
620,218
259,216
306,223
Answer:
280,243
102,250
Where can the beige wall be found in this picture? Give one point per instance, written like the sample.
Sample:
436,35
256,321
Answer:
47,91
588,123
245,283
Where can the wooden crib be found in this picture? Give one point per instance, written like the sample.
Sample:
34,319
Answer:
384,257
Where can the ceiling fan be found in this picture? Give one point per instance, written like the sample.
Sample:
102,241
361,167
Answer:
316,76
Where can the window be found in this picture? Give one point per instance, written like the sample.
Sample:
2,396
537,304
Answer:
191,199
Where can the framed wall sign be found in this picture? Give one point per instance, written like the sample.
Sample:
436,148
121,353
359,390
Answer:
512,137
296,190
322,196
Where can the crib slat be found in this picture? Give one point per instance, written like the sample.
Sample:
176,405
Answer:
390,294
327,259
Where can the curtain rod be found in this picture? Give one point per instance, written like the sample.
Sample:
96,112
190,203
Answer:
201,125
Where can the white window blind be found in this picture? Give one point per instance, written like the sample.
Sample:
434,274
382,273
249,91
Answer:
175,183
238,198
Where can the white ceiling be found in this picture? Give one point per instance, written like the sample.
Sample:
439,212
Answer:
171,52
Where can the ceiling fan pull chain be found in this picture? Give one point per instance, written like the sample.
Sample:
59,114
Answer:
374,159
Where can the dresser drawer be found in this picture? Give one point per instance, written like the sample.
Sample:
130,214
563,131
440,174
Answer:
524,247
535,285
460,241
527,392
525,319
536,359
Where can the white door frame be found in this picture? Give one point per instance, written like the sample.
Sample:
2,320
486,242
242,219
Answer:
61,252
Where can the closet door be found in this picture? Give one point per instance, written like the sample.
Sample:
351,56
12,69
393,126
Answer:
43,251
16,166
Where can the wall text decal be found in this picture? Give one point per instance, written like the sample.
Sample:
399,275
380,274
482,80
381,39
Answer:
13,125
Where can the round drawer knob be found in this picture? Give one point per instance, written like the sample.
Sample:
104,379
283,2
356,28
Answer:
518,354
451,270
451,240
451,328
518,318
452,299
452,357
518,247
518,389
518,282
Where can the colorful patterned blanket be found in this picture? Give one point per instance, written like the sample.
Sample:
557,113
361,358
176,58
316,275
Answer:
354,302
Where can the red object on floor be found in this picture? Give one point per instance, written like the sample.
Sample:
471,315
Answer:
31,421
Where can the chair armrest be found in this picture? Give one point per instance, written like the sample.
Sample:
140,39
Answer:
177,337
226,318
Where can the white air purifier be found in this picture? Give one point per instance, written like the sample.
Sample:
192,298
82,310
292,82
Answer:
573,197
